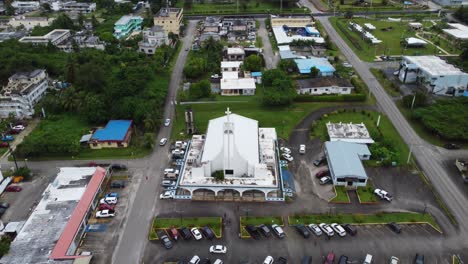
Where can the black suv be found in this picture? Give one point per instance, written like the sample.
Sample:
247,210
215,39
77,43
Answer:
166,242
117,184
185,233
303,231
118,167
207,232
282,260
395,227
253,231
320,161
350,229
264,230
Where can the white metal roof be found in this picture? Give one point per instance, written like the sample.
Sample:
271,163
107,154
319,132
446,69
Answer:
413,41
231,51
349,132
231,64
433,65
457,31
244,134
231,75
283,38
243,83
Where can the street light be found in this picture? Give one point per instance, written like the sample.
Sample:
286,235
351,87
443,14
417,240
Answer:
11,151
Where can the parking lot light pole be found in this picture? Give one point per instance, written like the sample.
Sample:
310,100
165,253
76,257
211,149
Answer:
12,154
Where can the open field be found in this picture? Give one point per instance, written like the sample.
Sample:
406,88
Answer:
250,7
341,195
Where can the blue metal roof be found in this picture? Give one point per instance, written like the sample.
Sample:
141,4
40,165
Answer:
322,64
256,74
343,158
115,130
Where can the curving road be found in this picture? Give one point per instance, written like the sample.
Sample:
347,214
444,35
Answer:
429,158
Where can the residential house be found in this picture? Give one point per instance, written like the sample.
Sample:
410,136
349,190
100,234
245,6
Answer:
126,25
23,91
230,66
318,51
241,86
74,7
25,6
458,32
152,39
435,74
235,54
212,24
207,35
170,19
30,22
322,64
324,85
116,134
55,37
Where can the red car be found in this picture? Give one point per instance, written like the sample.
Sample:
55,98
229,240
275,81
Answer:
13,188
322,173
173,233
4,145
106,207
330,258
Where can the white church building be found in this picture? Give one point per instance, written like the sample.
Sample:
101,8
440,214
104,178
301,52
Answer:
236,148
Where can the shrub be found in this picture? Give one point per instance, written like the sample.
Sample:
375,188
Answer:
358,218
218,175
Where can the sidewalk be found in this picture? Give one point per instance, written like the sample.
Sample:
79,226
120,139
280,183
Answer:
20,137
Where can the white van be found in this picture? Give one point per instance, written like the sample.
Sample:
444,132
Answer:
368,259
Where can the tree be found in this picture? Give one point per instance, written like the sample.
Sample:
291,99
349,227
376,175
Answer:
278,88
349,14
462,14
149,140
172,37
23,171
253,63
194,68
46,7
81,19
5,242
201,89
314,72
420,99
71,68
94,21
63,22
287,65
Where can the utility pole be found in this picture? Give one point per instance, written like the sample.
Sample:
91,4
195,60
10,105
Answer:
412,103
409,154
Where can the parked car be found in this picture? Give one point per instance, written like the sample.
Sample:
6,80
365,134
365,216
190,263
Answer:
108,200
330,258
163,141
166,195
7,138
451,146
218,261
166,242
338,229
282,260
325,180
268,260
253,231
167,122
394,227
195,260
112,194
170,170
118,166
167,183
196,233
343,259
285,150
394,260
218,249
13,188
383,195
302,149
301,229
117,184
315,229
368,259
326,229
2,211
18,127
205,261
185,233
264,230
13,132
418,259
278,231
306,260
207,232
319,161
105,213
4,205
173,233
350,229
106,207
287,157
4,145
322,173
178,152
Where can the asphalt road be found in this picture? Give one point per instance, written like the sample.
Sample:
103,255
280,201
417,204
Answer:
428,157
271,59
133,240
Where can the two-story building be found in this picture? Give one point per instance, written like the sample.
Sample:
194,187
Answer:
30,22
152,39
74,7
25,6
23,91
55,37
235,54
126,25
170,19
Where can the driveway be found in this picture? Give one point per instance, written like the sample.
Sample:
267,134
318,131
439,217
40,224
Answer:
271,59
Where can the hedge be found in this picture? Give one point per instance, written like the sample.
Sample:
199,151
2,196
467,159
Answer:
331,98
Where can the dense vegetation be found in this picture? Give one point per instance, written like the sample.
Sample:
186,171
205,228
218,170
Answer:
446,118
278,88
462,14
204,61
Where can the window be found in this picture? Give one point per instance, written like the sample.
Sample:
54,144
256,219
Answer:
230,172
340,180
362,180
315,89
345,89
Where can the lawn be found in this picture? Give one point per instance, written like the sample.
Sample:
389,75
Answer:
258,220
284,119
341,195
366,194
390,39
377,218
252,7
369,118
164,223
389,87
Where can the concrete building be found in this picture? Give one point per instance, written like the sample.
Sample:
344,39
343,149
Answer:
212,24
240,86
54,229
170,19
30,22
322,64
458,32
353,133
25,6
207,35
83,41
237,149
55,37
126,25
235,54
324,85
152,39
451,3
23,91
116,134
6,35
74,7
230,66
435,74
344,162
295,22
284,36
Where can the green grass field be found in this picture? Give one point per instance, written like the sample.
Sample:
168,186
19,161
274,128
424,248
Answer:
369,118
232,8
390,39
284,119
366,194
341,195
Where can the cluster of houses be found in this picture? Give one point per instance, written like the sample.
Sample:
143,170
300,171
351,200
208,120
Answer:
233,29
66,6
